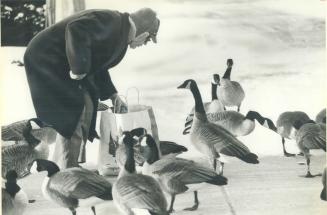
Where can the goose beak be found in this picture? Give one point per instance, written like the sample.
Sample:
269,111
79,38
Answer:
180,87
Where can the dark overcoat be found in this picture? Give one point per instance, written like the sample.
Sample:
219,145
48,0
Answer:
89,42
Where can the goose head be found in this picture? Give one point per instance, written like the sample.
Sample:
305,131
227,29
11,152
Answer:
39,165
216,79
268,123
149,149
11,183
230,62
297,125
188,84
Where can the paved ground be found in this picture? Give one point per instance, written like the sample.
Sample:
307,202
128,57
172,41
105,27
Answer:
273,187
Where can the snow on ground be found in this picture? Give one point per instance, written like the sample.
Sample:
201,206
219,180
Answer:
278,49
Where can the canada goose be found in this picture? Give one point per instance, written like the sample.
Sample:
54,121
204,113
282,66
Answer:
230,93
167,149
135,191
324,184
177,175
309,135
14,199
211,139
32,138
237,123
284,125
210,107
321,116
73,187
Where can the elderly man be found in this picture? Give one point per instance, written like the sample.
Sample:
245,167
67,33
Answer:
67,70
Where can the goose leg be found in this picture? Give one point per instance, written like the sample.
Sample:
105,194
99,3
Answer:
73,211
196,203
221,168
224,107
171,207
238,108
93,209
308,175
215,164
286,154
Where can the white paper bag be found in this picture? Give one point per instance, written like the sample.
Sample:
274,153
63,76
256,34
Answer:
113,124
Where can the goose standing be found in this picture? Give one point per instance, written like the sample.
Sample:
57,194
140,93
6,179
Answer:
134,191
324,184
210,107
211,139
309,135
321,116
177,175
230,92
285,123
14,199
233,121
73,187
32,139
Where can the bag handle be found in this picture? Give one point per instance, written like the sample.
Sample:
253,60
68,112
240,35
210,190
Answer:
114,108
137,91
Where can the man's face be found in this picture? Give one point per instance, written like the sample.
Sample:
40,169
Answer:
144,38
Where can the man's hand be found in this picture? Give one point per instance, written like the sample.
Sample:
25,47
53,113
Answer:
119,105
76,77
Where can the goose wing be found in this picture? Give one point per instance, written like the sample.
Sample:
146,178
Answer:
185,171
80,184
167,147
223,140
141,191
15,131
312,136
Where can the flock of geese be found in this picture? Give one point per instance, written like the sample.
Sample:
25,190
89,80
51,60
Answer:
213,131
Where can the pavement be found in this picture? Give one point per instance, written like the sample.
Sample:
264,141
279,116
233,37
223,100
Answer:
275,186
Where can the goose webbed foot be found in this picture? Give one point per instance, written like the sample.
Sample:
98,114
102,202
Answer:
309,175
196,203
31,200
300,154
171,210
193,208
286,154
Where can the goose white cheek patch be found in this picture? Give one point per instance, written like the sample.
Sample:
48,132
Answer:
34,168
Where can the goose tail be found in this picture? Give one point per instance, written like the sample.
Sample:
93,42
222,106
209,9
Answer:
218,180
250,158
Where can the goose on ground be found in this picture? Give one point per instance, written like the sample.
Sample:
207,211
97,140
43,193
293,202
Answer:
237,123
167,149
309,135
73,187
321,116
210,107
284,125
135,191
14,199
230,93
31,141
212,139
177,175
324,184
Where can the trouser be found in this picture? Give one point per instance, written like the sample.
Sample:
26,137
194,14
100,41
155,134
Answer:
70,152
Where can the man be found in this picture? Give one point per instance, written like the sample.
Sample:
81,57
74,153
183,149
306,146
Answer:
67,70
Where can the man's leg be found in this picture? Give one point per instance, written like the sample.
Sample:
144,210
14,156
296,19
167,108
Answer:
69,152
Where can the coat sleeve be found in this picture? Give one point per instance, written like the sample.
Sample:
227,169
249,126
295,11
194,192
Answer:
78,48
105,85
